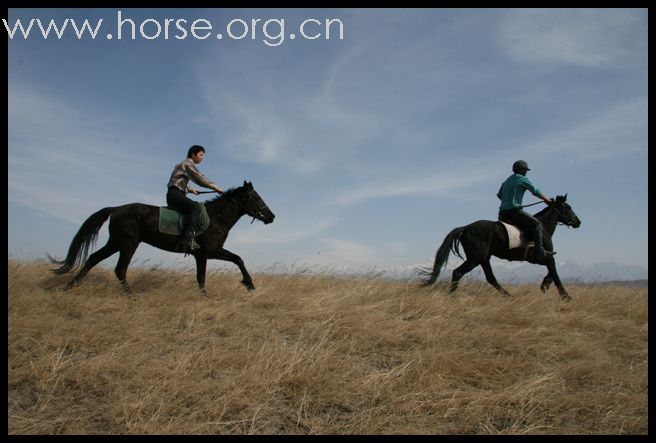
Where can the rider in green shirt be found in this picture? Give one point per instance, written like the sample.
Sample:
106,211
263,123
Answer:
510,211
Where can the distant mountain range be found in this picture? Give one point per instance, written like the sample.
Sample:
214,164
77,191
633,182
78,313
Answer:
568,271
522,272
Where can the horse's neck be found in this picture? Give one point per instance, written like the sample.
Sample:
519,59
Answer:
227,212
549,220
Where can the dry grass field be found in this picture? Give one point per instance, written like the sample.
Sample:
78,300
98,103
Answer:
320,354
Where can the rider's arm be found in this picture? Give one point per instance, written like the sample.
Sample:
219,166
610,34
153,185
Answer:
197,177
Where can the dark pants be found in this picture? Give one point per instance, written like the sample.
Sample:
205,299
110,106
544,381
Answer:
525,222
176,199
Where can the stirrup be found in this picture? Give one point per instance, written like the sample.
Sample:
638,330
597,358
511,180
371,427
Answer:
182,246
545,254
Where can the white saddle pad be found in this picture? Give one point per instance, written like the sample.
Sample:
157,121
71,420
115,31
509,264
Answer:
516,237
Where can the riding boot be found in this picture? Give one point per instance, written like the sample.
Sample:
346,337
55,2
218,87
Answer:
539,252
187,242
194,222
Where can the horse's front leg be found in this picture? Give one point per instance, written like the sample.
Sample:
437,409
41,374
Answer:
201,267
224,254
551,266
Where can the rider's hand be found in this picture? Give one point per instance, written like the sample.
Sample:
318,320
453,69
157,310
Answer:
194,191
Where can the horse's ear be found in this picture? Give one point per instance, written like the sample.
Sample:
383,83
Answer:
565,197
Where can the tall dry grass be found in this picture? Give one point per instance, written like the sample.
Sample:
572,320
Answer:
320,354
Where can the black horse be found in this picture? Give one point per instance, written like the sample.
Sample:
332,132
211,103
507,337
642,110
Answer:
136,222
482,239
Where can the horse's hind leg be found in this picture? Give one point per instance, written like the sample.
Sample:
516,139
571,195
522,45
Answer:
122,266
491,279
546,282
92,261
461,270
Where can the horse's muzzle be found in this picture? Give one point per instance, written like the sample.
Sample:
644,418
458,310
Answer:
265,218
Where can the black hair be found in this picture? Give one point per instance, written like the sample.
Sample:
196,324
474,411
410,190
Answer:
194,150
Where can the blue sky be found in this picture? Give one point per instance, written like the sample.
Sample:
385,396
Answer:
369,149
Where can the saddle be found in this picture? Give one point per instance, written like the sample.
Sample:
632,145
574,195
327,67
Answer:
172,221
516,237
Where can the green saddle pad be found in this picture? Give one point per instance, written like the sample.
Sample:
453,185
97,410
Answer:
170,221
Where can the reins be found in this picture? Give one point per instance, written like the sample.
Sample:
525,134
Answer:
532,204
235,201
558,211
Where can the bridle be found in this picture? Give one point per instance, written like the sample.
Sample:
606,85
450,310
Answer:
261,206
258,211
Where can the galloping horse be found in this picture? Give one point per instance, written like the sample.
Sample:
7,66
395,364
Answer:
482,239
136,222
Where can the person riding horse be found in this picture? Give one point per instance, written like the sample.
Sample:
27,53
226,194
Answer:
510,211
177,199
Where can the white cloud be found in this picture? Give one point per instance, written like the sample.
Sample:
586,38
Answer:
339,254
280,232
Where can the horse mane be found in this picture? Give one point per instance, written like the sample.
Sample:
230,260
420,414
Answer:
559,198
219,198
541,213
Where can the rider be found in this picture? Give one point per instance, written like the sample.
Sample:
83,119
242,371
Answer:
176,198
510,211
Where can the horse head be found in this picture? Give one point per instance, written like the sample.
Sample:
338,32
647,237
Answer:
254,206
566,214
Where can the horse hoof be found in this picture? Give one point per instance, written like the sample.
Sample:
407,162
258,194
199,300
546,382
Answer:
248,286
70,285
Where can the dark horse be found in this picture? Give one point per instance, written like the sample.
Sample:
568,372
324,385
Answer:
136,222
484,238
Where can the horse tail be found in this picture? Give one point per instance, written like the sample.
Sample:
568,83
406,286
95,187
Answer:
82,242
451,243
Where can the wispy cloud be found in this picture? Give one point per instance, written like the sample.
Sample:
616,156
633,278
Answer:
298,130
444,183
62,162
583,37
615,131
